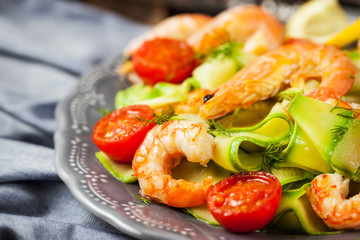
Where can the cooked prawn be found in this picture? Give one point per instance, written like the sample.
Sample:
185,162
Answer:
179,27
193,102
292,64
258,30
327,196
162,149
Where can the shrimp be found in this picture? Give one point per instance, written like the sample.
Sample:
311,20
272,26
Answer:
292,64
250,24
327,196
193,102
162,149
178,27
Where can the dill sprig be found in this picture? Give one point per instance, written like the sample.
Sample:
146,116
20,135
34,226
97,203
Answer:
338,132
159,119
225,50
216,127
354,112
146,201
271,153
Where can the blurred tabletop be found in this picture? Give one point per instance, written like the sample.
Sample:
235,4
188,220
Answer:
45,46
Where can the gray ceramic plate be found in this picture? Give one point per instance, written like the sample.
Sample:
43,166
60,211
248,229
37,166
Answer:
105,196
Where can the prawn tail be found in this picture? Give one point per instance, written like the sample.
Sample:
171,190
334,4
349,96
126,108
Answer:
328,198
181,193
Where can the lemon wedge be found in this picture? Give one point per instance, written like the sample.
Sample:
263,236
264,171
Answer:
348,35
317,20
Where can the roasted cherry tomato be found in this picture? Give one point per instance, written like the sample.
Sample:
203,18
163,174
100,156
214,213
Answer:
164,60
246,201
120,133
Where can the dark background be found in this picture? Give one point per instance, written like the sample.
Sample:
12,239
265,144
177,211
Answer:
153,11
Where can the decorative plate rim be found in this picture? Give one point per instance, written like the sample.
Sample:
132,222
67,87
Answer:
73,136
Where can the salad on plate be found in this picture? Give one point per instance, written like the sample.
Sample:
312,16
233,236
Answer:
241,120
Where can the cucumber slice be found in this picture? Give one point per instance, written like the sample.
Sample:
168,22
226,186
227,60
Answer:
316,119
202,213
275,125
288,175
121,171
346,157
222,64
127,96
243,150
297,202
212,74
195,172
287,224
301,153
161,94
250,116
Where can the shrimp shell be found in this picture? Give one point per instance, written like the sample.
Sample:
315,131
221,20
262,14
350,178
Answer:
327,196
162,149
289,65
258,30
193,102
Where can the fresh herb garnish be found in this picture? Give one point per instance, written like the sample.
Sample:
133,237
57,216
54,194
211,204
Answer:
226,50
216,127
354,112
272,153
159,119
146,201
338,132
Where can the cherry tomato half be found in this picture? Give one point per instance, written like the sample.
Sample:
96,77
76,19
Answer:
120,133
164,60
246,201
